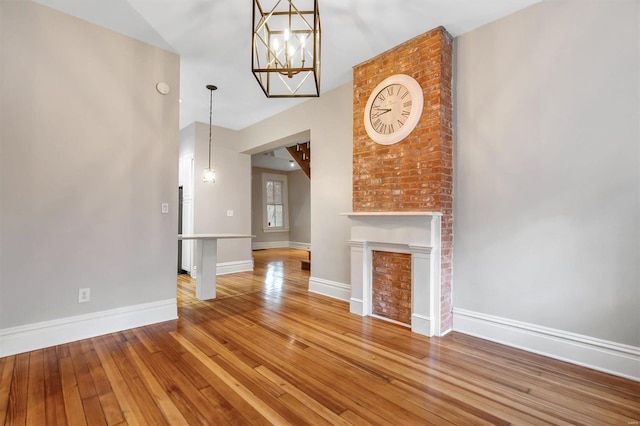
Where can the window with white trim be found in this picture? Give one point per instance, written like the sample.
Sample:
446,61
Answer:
274,200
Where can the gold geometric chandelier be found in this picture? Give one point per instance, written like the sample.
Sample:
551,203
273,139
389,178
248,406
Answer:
285,52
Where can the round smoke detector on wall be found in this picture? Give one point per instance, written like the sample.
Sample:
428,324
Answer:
162,88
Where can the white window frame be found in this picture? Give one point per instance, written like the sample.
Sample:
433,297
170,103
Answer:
285,202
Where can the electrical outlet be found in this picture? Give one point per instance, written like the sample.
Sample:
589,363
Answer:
84,295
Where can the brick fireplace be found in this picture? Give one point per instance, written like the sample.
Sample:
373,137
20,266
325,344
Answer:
391,286
416,234
407,182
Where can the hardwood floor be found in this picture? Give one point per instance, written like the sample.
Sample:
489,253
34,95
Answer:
267,351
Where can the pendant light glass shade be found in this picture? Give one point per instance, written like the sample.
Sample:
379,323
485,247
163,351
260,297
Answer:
209,176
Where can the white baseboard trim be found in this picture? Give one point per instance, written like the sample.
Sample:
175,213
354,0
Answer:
270,244
280,244
447,331
356,306
392,321
233,267
40,335
301,246
328,288
610,357
422,325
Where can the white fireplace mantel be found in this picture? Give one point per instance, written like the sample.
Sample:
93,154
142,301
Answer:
415,233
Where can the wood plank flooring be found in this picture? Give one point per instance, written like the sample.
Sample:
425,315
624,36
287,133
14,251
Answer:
267,351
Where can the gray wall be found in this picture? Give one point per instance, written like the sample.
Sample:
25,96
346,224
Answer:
231,191
298,185
188,141
330,122
547,194
299,207
88,152
256,209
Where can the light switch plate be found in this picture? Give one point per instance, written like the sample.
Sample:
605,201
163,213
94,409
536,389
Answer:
165,208
229,213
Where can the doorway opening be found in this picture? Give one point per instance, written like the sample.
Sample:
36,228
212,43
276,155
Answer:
281,198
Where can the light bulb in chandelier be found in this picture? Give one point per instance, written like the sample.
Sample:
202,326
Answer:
302,39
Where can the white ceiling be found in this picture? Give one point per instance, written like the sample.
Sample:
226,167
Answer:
213,39
278,159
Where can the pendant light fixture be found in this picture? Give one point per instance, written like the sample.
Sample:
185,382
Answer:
209,175
285,52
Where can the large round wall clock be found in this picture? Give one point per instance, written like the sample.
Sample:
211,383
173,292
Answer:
393,109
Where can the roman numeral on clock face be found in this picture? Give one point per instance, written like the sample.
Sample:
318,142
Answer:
391,108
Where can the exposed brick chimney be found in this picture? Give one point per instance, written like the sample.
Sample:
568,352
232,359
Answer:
415,174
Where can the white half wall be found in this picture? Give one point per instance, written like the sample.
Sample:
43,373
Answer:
547,185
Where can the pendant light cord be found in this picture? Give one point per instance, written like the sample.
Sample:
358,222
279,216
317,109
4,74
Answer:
210,115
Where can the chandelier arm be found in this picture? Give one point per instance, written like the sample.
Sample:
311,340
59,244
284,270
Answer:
302,82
